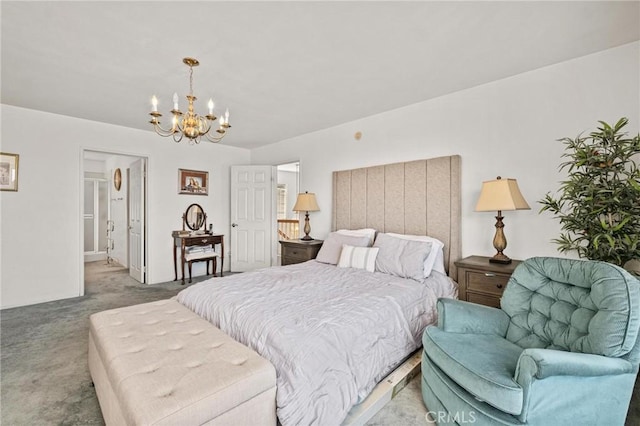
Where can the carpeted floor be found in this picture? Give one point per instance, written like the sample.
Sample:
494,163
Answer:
44,378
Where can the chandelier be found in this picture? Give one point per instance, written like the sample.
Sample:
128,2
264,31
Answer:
190,124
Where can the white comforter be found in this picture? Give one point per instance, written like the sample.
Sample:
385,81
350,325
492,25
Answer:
331,333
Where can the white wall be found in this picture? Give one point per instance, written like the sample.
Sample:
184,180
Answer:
41,255
508,128
94,166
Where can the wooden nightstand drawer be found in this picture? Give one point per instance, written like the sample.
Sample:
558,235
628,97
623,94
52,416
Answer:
486,282
480,281
297,251
483,299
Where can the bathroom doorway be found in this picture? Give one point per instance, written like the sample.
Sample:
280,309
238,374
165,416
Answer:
110,190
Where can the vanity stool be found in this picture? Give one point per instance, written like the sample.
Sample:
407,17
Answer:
202,257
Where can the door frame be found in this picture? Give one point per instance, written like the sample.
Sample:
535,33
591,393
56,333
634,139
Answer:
275,240
80,242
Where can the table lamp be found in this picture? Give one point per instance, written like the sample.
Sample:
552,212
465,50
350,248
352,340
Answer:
500,194
306,203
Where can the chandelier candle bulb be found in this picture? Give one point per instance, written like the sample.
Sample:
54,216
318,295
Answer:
210,105
175,102
154,104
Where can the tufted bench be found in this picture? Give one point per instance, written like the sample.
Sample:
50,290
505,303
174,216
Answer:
161,364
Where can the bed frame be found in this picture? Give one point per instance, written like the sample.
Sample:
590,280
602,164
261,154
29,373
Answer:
417,197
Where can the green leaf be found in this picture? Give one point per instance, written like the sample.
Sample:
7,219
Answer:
599,199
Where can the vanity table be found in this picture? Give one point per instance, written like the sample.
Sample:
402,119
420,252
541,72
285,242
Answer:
193,236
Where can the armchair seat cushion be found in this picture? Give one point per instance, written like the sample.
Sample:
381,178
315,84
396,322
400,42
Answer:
483,364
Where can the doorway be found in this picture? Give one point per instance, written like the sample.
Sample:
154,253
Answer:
287,189
95,215
113,212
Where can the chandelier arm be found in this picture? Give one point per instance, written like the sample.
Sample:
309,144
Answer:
214,139
179,123
204,125
162,132
179,138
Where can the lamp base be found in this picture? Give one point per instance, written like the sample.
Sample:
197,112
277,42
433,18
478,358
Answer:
307,228
500,243
500,258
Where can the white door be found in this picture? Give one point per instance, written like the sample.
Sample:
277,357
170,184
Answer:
251,217
136,220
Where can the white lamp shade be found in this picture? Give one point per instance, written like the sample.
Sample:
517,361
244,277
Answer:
501,194
306,202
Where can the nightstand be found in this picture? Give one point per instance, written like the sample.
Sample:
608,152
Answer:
298,251
480,281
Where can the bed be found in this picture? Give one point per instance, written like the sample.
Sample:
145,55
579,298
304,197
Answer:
334,332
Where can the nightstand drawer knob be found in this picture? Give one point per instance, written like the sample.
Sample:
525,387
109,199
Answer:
499,286
487,274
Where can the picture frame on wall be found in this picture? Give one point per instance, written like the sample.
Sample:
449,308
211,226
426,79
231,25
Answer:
194,182
8,171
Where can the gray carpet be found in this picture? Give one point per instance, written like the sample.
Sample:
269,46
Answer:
44,378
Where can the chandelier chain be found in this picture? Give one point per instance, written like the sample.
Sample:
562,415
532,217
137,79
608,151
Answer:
190,80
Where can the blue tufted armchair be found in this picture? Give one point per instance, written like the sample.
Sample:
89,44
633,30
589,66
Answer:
562,350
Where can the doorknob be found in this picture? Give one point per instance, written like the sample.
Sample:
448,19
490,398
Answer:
234,224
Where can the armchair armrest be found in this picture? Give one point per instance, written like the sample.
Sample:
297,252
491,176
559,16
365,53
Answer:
542,363
464,317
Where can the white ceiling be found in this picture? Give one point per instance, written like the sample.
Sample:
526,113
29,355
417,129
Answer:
284,68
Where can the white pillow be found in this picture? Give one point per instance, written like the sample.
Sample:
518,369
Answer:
435,260
401,257
369,232
358,257
332,246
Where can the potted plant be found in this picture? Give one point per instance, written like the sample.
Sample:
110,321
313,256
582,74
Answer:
599,204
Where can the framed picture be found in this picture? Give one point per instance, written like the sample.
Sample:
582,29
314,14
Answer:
193,182
8,171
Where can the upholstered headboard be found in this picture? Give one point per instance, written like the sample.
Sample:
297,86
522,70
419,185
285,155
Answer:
417,197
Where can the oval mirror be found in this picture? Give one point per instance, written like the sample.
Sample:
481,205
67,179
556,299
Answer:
117,179
194,217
